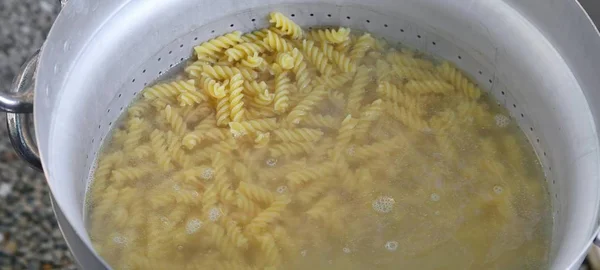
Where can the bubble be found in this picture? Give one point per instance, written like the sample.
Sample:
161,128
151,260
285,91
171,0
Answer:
193,226
238,133
383,204
435,197
282,189
391,245
207,174
195,193
164,220
351,150
176,187
346,250
271,162
180,247
501,120
303,253
498,190
214,214
119,239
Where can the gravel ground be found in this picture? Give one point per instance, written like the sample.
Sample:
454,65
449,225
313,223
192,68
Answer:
29,235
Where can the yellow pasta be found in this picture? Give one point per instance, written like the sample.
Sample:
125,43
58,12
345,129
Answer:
319,120
253,61
425,87
362,45
242,50
276,43
167,92
316,57
213,88
269,215
333,82
330,35
344,63
291,149
300,69
391,92
408,60
357,90
285,61
226,72
306,105
284,149
213,47
456,78
286,25
282,93
236,98
298,135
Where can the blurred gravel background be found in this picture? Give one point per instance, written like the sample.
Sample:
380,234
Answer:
29,235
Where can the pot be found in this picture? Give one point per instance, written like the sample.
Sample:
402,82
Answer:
538,58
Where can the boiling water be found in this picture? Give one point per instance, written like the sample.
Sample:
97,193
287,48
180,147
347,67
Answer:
445,182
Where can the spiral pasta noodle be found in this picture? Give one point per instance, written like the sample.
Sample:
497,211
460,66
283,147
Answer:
286,25
291,149
306,105
300,69
330,35
243,50
236,97
357,90
282,92
226,72
344,63
316,57
362,45
213,47
456,78
298,135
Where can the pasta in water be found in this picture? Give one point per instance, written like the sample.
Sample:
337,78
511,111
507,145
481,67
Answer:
327,149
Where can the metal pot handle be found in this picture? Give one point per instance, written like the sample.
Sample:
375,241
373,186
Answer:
19,108
18,105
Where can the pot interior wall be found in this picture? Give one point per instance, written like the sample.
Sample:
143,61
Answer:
106,53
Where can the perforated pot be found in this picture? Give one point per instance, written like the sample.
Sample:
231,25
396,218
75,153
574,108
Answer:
538,58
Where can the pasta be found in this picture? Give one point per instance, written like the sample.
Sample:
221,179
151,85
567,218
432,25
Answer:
236,97
277,43
243,50
298,135
316,57
286,25
211,48
226,72
306,105
363,44
459,81
357,91
344,63
300,69
330,35
320,149
282,93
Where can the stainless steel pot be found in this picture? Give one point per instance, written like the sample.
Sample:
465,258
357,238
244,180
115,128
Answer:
539,58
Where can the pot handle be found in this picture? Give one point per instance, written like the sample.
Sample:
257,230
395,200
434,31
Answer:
19,108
